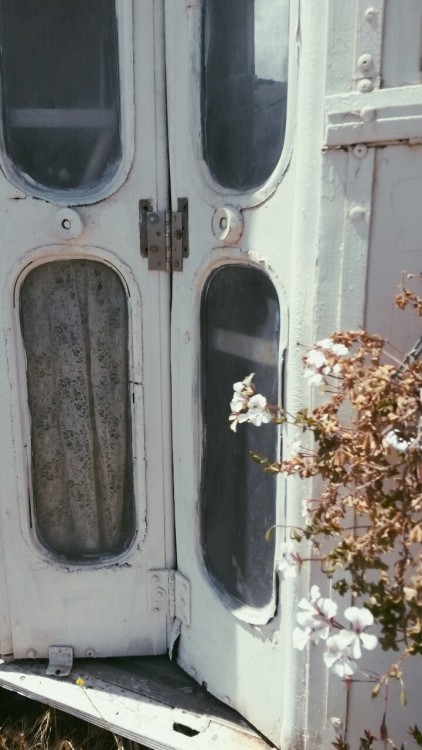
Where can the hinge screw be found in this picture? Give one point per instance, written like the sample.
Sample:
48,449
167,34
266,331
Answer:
178,234
360,151
153,218
153,249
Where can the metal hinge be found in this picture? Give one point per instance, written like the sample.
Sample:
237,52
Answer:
164,236
169,594
60,661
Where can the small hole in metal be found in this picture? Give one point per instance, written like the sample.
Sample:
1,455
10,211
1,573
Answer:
66,223
183,729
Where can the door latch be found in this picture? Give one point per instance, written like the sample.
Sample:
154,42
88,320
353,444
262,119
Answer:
164,236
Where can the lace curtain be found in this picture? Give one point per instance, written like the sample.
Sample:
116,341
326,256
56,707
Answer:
75,331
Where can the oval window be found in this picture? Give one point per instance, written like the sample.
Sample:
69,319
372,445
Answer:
240,335
244,89
74,324
60,91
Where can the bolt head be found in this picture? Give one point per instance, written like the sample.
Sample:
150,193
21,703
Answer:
365,86
367,114
356,214
360,151
365,62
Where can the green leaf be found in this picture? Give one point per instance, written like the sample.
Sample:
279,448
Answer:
416,734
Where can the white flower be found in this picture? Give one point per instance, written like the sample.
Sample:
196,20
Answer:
257,411
315,378
338,349
236,419
317,364
315,619
242,393
361,619
393,440
238,402
338,656
317,607
289,561
315,359
301,638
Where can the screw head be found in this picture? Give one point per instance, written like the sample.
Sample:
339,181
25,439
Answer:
356,214
365,62
365,86
370,14
360,151
367,114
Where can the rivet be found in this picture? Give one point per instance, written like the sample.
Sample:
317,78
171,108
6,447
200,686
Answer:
360,151
223,222
365,62
365,86
370,13
336,722
153,218
177,264
357,213
66,224
367,114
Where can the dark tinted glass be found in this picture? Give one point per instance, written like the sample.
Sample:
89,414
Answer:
75,332
241,331
60,90
244,88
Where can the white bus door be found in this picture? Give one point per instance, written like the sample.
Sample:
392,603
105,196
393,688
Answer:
91,249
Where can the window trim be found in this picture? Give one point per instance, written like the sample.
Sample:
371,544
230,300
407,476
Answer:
21,414
105,188
254,196
242,612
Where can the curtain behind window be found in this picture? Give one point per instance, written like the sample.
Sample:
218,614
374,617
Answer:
75,330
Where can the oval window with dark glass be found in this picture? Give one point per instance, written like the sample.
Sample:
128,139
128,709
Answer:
244,89
240,335
60,91
74,322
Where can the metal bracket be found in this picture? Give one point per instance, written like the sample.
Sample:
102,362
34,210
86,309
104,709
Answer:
164,236
60,661
169,594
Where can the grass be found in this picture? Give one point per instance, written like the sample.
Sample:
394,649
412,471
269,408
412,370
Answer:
29,725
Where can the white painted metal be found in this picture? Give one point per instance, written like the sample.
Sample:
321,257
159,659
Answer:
401,62
244,656
334,228
99,609
76,197
377,117
369,232
129,714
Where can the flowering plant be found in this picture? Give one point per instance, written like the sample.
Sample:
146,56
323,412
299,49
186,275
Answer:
366,447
